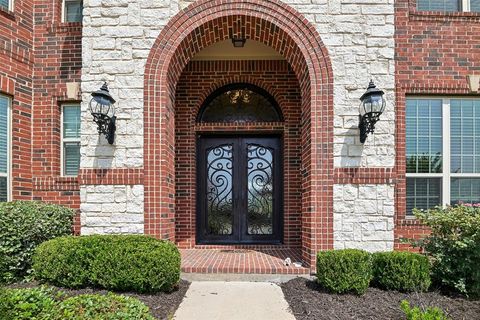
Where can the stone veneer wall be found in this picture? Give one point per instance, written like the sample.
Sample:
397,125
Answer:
118,36
363,216
111,209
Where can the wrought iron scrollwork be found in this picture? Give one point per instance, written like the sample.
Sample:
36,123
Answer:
219,189
260,189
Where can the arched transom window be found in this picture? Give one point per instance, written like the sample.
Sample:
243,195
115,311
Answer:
240,102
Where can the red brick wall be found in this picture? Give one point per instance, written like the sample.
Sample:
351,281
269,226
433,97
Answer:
39,62
198,80
16,65
58,60
434,53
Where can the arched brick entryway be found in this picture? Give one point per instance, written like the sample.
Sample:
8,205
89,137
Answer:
285,30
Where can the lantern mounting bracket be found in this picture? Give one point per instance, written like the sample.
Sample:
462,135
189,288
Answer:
367,124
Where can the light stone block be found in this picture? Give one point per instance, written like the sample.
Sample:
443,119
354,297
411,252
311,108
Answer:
119,211
362,220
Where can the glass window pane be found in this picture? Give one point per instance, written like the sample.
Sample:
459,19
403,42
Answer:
261,184
73,11
3,189
4,4
71,159
4,106
424,135
220,190
465,190
475,5
240,103
71,121
423,193
464,135
438,5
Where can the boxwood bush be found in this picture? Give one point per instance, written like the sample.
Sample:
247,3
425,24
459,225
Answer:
115,262
401,271
454,246
348,270
23,226
46,304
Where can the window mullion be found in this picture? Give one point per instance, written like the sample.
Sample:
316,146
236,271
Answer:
465,5
446,152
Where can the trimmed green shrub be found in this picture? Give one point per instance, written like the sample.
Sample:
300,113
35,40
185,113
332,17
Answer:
23,226
454,247
115,262
348,270
45,304
105,307
20,304
401,271
416,313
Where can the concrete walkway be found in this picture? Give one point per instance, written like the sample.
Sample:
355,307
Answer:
214,300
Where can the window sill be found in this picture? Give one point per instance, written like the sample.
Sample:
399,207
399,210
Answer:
55,183
66,27
7,13
410,221
442,16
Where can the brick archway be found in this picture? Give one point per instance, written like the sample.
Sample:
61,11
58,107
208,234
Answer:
285,30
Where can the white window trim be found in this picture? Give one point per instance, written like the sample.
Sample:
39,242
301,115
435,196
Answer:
64,140
446,175
9,148
64,20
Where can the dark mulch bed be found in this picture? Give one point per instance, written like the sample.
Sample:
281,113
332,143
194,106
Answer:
308,301
162,305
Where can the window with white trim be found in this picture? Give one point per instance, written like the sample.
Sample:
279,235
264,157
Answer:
449,5
6,5
70,139
442,151
72,10
5,103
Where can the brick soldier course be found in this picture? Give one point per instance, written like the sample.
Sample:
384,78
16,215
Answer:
338,193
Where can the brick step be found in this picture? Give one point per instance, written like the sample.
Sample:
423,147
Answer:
242,261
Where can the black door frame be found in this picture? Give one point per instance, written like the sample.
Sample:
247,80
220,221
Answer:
239,236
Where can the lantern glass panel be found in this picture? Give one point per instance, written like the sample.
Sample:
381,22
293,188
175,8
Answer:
374,103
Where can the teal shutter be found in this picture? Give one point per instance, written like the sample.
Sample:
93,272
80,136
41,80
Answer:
71,137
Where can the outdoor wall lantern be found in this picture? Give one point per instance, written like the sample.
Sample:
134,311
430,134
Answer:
103,112
371,107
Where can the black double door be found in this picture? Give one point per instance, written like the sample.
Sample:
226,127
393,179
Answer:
239,189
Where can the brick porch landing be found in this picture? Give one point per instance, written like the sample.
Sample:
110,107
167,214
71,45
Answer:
241,261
